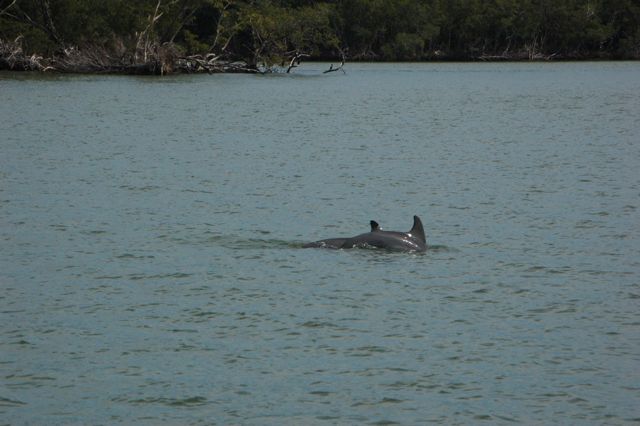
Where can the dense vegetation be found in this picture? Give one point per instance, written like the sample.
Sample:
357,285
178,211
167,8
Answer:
109,34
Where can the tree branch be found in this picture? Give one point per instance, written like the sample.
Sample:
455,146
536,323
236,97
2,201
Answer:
48,23
340,68
295,60
3,11
143,38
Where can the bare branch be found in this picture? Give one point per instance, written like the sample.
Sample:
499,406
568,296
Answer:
3,11
143,39
48,23
219,28
340,68
184,20
295,60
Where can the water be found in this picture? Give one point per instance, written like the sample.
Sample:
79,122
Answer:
152,272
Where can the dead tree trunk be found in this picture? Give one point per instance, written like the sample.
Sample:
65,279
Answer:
49,25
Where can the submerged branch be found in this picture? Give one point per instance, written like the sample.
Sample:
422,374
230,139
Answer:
332,69
340,68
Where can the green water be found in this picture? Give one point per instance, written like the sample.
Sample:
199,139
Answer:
151,268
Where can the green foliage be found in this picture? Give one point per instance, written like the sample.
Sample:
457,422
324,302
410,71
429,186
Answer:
405,46
268,32
278,32
192,43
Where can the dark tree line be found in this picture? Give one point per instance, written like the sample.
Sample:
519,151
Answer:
168,35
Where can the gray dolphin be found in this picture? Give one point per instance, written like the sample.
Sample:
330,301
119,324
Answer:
414,240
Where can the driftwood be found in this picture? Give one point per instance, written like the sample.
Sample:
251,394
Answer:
339,68
332,69
211,64
145,54
12,57
98,59
147,57
157,60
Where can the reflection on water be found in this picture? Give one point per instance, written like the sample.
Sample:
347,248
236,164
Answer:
152,268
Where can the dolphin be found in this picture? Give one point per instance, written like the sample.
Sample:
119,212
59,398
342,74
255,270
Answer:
414,240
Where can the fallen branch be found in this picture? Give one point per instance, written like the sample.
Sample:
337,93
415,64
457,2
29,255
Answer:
211,64
295,61
340,68
332,69
99,59
13,58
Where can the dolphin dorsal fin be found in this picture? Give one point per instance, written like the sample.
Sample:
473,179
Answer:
374,226
418,231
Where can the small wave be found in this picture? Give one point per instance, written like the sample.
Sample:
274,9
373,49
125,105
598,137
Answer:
136,277
145,188
383,401
94,232
234,243
318,324
173,402
321,393
440,248
6,402
133,256
197,191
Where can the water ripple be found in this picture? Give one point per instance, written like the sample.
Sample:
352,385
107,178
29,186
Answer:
152,269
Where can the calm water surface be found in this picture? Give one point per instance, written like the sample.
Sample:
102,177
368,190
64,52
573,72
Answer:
151,268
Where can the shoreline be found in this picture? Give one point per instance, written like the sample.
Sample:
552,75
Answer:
156,69
165,60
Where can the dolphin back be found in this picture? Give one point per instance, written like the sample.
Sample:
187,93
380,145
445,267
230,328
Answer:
414,240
